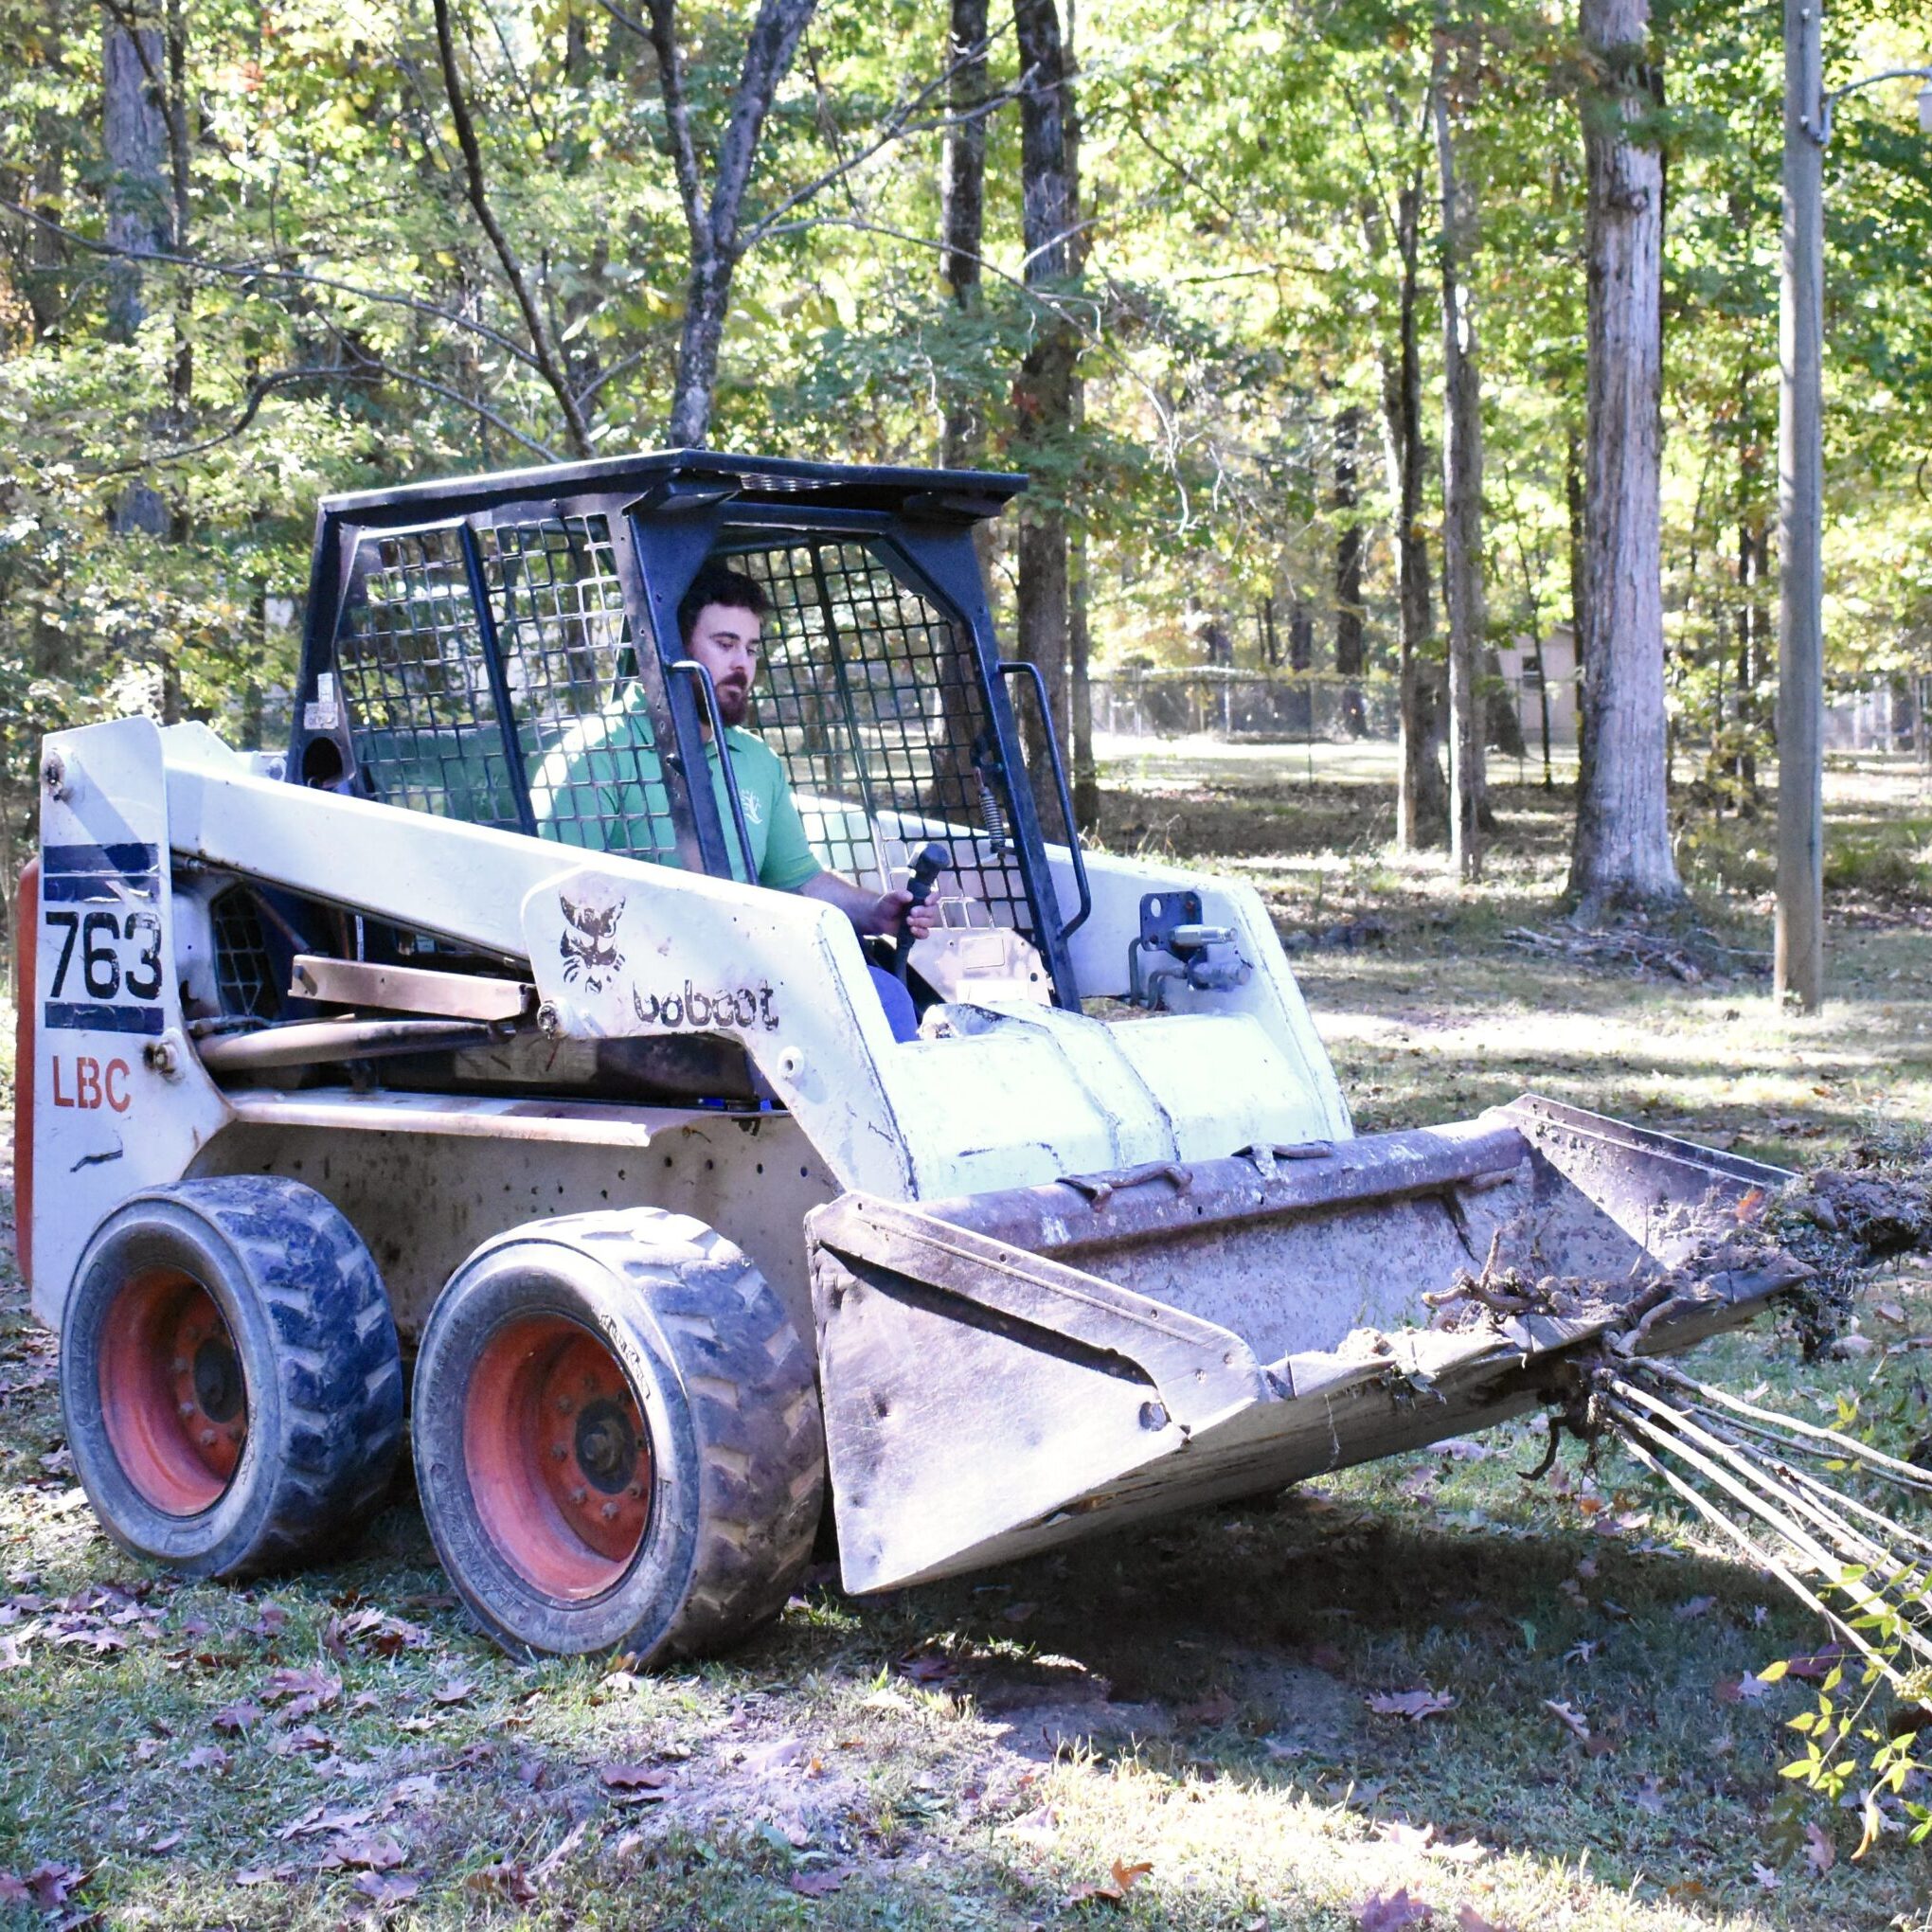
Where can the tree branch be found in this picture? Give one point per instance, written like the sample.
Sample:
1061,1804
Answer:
898,124
255,271
662,35
768,51
370,368
549,362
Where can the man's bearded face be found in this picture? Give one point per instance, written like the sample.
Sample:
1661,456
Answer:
724,640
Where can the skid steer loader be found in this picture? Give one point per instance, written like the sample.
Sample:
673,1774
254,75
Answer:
391,1044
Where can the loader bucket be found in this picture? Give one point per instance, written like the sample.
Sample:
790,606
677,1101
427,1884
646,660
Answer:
1005,1372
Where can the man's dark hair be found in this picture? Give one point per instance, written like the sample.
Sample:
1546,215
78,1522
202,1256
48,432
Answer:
716,584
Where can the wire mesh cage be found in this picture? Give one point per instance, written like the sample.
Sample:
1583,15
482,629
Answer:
409,653
427,702
871,696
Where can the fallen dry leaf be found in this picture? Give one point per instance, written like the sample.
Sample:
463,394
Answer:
311,1691
1214,1708
207,1758
1124,1878
453,1690
634,1777
1405,1837
234,1719
1818,1850
818,1884
507,1877
387,1887
1393,1911
1572,1719
372,1852
47,1886
926,1669
1743,1689
1413,1704
777,1756
1469,1920
1696,1606
1766,1878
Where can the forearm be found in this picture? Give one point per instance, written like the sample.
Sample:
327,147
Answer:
860,906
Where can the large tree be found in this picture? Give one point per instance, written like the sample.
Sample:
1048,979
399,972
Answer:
1622,852
1044,395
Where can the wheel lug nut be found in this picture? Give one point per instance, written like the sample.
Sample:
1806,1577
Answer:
609,1512
579,1496
562,1405
184,1409
208,1439
636,1492
558,1452
179,1364
234,1435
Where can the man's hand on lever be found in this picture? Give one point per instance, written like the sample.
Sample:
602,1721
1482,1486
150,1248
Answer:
884,915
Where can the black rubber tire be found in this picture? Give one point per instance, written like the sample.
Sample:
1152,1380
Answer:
315,1345
728,1401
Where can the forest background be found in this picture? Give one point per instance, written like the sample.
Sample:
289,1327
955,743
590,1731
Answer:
1189,266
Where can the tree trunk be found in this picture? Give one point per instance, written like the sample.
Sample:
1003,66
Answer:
1044,395
962,428
1754,626
1086,779
140,207
711,222
1621,854
1422,798
1348,568
962,217
1462,582
1579,596
46,255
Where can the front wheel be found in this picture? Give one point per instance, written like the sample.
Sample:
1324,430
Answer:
617,1438
229,1375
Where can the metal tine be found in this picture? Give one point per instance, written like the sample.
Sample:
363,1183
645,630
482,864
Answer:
1721,1430
1762,1557
1854,1545
1890,1524
1820,1559
1909,1474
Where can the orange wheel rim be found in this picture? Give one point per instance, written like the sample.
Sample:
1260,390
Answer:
558,1457
172,1393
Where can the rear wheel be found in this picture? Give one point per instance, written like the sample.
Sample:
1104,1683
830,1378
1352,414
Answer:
618,1438
229,1375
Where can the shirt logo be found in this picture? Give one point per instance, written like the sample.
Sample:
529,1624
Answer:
753,808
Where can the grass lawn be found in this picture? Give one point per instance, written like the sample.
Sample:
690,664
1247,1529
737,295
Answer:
1180,1717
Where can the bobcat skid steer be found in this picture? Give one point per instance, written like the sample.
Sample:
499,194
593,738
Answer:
402,1043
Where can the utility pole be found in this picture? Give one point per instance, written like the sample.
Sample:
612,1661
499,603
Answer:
1799,968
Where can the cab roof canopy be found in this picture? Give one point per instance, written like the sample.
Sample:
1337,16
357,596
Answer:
663,481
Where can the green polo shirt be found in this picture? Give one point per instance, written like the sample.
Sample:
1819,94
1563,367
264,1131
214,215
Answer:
603,788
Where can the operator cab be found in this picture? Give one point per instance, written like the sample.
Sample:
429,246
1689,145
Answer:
463,637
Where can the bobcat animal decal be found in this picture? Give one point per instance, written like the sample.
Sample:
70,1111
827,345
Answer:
586,946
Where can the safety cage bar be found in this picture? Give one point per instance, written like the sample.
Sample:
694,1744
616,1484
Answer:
483,665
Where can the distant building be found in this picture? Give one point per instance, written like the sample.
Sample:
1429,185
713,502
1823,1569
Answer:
1518,661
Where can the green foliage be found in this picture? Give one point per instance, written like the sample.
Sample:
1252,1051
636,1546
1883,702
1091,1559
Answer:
331,315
